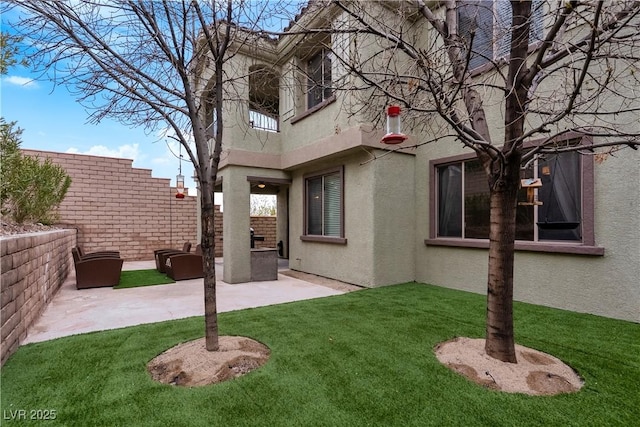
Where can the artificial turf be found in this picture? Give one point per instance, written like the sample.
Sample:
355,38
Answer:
135,278
363,358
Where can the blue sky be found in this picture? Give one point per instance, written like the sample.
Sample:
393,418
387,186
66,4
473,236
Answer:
52,120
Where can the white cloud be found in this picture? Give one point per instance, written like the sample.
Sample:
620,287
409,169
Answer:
162,161
124,151
21,81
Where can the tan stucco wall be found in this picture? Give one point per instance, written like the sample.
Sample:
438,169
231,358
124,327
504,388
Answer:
353,262
321,124
378,223
237,132
394,219
236,201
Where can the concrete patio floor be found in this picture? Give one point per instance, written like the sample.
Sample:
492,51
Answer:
74,311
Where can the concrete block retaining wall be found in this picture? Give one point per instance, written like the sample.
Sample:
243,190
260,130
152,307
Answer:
34,266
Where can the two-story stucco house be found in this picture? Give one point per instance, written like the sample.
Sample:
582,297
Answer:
351,209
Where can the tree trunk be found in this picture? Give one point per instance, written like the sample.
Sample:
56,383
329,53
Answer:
208,252
504,182
499,328
208,212
210,304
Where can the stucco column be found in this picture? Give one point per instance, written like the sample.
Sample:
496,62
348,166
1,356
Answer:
236,244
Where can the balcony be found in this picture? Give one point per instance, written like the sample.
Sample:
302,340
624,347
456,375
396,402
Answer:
264,121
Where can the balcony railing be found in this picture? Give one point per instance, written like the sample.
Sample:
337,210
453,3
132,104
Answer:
261,121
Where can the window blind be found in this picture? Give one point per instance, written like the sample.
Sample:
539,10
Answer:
332,202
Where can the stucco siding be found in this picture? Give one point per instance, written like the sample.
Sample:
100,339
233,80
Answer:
394,219
457,268
352,262
322,123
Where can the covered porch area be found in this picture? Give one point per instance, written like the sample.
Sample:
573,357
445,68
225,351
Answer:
243,260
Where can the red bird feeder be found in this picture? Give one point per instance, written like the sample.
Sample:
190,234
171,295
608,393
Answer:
394,129
180,186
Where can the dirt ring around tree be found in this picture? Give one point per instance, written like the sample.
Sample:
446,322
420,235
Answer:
536,373
190,364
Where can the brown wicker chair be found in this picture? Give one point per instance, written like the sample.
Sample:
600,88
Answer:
161,255
183,266
96,272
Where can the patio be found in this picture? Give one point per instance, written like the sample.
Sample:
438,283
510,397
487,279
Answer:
74,311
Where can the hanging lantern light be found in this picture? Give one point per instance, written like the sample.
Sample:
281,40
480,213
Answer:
394,129
180,186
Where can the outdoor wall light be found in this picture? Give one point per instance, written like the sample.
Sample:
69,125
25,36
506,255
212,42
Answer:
261,184
394,129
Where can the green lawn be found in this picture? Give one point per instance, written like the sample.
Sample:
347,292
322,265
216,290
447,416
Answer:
364,358
135,278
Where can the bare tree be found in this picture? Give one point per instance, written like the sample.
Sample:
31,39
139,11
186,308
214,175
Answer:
157,65
575,72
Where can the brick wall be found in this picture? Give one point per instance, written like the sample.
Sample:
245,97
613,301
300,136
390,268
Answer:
265,226
34,266
114,206
217,226
262,226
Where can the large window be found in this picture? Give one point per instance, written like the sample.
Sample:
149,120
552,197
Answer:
554,214
318,78
485,25
324,210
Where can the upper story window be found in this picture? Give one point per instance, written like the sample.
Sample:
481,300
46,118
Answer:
309,79
489,22
324,206
318,70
